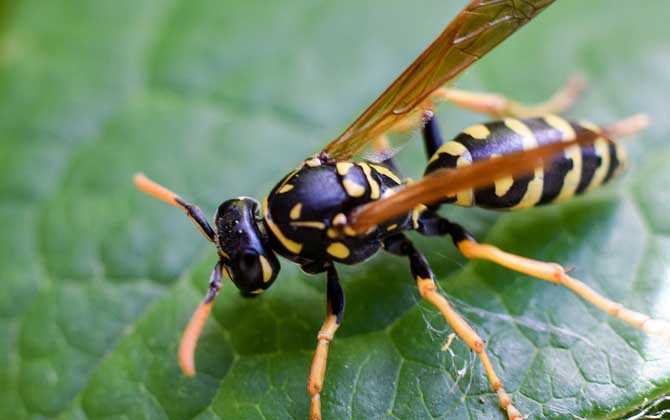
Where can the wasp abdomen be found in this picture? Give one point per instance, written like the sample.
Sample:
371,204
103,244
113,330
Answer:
576,170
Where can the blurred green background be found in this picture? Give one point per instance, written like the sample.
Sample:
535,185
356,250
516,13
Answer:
221,98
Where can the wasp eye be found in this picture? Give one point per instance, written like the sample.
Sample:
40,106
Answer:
248,263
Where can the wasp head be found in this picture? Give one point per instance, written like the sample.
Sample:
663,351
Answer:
244,247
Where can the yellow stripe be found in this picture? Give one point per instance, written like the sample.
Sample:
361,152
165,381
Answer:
338,250
465,198
589,125
502,185
534,189
353,189
309,224
574,153
290,245
285,188
374,186
621,157
479,131
416,212
343,167
295,211
454,148
387,172
602,149
265,268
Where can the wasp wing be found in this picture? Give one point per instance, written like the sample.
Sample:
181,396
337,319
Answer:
481,26
446,182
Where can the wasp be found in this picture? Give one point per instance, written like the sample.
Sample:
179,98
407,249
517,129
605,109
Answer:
337,209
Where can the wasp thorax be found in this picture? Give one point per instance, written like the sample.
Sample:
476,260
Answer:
244,246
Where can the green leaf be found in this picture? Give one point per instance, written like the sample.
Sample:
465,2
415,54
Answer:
218,99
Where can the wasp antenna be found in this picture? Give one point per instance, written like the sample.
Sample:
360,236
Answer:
189,339
154,189
628,126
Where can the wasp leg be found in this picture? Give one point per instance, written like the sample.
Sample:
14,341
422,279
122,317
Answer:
432,138
189,338
400,245
432,224
334,313
499,106
160,192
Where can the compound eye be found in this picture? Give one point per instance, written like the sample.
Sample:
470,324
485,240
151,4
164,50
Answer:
247,273
248,264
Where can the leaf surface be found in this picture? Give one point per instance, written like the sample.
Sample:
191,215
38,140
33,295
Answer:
220,99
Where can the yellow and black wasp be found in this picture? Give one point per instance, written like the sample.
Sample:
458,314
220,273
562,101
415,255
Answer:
335,209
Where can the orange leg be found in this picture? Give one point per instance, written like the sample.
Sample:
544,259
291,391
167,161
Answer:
499,106
334,314
400,245
492,104
432,224
189,338
555,273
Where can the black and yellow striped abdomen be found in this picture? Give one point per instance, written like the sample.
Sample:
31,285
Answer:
575,171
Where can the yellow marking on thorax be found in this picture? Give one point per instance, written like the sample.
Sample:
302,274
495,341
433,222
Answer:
265,268
309,224
479,131
349,231
352,188
285,188
601,148
257,292
339,219
290,245
343,167
338,250
387,173
534,188
392,227
374,186
574,153
313,162
295,211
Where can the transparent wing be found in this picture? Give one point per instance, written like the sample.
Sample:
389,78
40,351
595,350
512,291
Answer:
481,26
